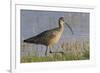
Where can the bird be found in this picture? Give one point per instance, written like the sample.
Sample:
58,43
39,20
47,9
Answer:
49,37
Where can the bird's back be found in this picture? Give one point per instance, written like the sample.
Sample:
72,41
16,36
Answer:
48,37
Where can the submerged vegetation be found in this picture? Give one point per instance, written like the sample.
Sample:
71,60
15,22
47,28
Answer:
72,50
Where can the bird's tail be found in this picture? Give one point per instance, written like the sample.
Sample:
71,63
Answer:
30,40
26,41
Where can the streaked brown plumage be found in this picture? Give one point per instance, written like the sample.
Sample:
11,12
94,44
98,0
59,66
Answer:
49,37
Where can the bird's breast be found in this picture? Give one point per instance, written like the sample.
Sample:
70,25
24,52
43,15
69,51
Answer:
55,38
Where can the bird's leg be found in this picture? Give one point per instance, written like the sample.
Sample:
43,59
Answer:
46,50
50,49
55,51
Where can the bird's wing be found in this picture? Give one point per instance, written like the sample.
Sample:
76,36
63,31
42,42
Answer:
43,37
46,34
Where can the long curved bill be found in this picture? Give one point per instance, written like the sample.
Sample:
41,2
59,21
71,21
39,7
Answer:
69,28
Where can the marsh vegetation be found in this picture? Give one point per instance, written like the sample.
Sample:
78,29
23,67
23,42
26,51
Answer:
72,50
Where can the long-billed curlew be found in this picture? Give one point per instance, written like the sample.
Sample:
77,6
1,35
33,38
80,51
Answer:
49,37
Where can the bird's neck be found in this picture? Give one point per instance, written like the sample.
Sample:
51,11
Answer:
61,26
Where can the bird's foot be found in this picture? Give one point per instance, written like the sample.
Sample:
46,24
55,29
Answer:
57,52
50,51
61,52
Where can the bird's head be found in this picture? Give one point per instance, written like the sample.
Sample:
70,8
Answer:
62,22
